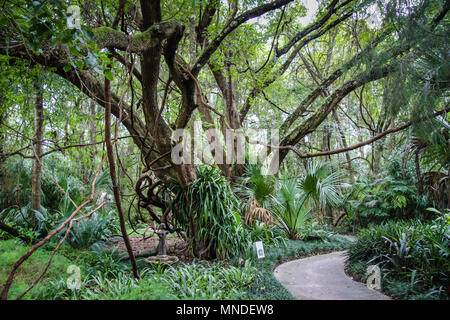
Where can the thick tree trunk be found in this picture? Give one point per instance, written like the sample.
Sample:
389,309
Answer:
36,170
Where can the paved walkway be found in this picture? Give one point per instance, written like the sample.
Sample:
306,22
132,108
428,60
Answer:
322,277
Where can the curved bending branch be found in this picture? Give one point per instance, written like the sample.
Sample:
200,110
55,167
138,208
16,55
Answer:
332,10
282,69
236,22
361,144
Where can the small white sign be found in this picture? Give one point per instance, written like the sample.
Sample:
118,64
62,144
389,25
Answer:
259,249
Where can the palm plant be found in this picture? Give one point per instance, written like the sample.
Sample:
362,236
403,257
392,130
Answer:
254,184
288,207
256,188
320,186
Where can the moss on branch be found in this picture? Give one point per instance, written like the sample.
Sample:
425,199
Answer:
106,37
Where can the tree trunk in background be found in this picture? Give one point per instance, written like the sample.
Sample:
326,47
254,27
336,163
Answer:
2,141
228,88
83,169
418,174
391,142
92,128
344,144
36,170
326,146
378,147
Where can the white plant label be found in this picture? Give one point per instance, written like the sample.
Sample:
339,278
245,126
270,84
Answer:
259,249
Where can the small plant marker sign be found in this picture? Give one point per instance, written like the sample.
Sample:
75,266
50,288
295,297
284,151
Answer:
259,249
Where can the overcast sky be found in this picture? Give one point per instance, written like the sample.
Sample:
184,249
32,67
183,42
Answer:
311,5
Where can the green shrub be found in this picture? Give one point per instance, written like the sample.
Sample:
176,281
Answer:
121,286
32,224
411,252
92,230
393,196
270,235
217,213
106,262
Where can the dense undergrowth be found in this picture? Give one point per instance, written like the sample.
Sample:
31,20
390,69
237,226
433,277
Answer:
413,256
104,276
411,249
392,195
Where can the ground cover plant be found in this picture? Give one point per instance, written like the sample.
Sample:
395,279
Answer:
413,257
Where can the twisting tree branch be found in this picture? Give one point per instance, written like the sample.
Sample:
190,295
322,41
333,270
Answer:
106,37
232,25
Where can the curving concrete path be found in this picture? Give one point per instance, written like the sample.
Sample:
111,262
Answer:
322,277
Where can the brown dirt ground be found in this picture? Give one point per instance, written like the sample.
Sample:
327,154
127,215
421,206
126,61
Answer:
141,245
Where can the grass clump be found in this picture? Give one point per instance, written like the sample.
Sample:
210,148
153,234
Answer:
11,250
197,281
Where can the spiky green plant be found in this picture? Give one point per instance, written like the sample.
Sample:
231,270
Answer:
320,185
217,213
407,250
256,185
289,207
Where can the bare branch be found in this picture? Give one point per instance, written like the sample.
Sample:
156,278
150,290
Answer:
361,144
236,22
